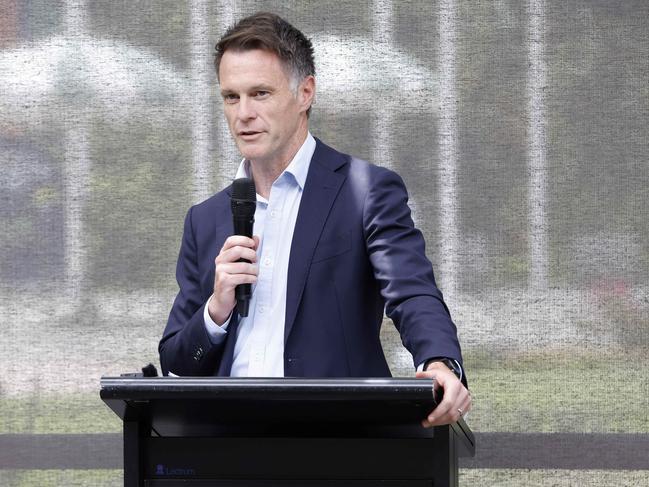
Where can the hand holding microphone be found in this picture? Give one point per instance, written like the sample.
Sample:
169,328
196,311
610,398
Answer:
235,268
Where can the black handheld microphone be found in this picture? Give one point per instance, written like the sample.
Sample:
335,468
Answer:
243,203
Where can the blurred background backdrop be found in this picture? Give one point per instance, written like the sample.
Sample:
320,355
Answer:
520,129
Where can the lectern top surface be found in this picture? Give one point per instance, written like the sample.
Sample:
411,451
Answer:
294,389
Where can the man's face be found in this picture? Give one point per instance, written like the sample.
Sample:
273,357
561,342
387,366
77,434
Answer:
267,119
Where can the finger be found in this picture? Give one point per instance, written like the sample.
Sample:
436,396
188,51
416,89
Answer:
234,268
440,415
440,420
449,417
227,282
458,409
466,405
446,411
238,240
238,252
233,254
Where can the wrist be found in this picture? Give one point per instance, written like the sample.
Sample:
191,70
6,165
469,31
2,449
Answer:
444,363
217,315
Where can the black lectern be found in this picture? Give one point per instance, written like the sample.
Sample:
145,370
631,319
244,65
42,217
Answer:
283,432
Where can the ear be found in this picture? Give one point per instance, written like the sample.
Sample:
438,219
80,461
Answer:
306,92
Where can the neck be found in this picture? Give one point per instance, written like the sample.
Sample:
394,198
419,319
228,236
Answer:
266,172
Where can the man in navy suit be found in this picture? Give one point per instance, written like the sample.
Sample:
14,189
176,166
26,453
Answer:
334,246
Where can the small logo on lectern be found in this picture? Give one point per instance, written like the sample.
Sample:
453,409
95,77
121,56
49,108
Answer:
162,470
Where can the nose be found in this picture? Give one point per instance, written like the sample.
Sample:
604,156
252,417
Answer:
246,109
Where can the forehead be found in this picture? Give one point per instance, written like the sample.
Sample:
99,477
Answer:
242,69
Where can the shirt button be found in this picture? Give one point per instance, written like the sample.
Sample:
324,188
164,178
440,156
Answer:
262,309
268,261
273,214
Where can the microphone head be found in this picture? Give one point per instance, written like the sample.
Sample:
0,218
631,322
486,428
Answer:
244,197
244,189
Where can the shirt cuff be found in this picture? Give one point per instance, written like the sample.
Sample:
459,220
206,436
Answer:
216,333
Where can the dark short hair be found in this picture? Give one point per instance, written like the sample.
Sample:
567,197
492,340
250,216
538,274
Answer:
270,32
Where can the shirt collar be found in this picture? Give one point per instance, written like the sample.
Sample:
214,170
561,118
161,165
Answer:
298,167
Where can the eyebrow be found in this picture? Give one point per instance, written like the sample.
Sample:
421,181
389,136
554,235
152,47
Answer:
251,89
261,88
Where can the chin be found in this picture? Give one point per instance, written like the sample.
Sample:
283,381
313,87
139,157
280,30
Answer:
253,153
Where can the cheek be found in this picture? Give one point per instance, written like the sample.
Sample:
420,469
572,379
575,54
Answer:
231,122
230,112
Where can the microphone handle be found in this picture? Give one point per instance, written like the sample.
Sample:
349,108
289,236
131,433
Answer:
243,292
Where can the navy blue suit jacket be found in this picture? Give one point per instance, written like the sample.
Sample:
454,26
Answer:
355,253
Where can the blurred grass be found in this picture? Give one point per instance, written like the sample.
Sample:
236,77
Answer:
468,478
560,390
553,478
73,413
59,478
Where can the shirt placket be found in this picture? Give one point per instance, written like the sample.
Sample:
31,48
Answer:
264,289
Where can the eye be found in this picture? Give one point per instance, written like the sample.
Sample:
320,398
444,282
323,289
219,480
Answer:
261,94
230,98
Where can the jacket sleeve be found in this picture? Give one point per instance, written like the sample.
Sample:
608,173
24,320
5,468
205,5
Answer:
405,275
185,348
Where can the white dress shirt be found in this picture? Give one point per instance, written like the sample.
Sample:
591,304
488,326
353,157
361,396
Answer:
259,347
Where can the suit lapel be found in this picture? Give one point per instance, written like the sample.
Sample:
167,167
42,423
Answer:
320,190
223,228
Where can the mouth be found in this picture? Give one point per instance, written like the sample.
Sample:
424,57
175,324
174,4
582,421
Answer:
248,134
